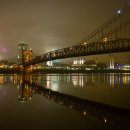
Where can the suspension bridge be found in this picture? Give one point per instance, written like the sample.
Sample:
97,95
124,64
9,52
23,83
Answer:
112,37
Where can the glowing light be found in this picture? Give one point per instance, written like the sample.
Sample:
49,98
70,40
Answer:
3,50
119,12
49,63
85,113
111,61
105,39
55,86
75,62
105,120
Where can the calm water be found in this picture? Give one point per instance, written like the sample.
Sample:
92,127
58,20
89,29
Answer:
65,101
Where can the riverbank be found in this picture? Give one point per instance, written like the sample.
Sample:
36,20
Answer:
80,71
50,70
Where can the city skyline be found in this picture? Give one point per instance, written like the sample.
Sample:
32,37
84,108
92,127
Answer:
48,25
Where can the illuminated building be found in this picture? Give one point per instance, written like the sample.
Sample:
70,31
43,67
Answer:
91,63
111,61
78,61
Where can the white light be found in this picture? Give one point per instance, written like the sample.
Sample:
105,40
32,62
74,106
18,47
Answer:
105,39
119,12
105,120
85,113
49,63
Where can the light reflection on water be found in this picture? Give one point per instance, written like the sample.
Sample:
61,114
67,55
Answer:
83,79
88,86
111,88
76,79
69,90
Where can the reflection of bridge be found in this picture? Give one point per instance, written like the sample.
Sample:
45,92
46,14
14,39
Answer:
106,114
111,37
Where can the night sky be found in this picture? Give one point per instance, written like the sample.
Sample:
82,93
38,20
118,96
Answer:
47,25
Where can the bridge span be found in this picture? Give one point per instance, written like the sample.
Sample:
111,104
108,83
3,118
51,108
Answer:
95,48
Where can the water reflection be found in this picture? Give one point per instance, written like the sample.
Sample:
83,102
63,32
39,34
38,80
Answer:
9,79
78,81
49,86
112,79
25,91
112,116
64,82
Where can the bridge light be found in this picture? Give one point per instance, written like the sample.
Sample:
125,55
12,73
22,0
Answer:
85,43
105,120
105,39
85,113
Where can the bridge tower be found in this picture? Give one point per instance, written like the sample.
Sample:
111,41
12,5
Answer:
27,55
21,47
24,55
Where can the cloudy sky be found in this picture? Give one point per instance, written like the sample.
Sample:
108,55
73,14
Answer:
46,25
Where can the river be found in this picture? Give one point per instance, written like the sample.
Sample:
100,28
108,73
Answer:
65,101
